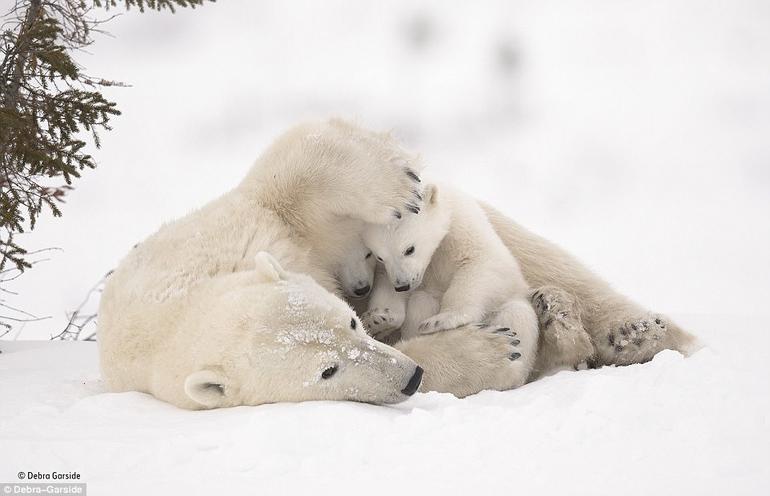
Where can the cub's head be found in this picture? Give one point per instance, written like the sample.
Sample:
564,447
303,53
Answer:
356,271
406,246
285,338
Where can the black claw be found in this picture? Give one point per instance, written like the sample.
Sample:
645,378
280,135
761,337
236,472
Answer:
503,329
657,321
396,214
417,195
481,326
412,175
413,208
515,342
514,356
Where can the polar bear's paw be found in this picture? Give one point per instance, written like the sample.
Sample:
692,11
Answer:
444,321
396,191
564,341
635,341
381,322
470,359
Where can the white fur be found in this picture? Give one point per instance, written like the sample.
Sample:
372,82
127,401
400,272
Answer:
341,252
196,315
458,271
201,316
583,318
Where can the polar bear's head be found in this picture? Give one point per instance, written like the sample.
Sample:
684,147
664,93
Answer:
355,272
291,340
406,246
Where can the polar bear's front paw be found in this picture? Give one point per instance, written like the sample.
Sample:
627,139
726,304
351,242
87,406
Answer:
396,192
636,340
470,359
381,322
504,364
444,321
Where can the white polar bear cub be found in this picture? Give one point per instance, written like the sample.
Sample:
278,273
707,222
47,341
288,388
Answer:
457,272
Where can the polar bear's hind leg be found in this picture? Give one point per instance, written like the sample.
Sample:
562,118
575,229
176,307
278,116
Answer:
637,340
564,342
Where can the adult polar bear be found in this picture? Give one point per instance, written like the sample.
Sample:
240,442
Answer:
200,315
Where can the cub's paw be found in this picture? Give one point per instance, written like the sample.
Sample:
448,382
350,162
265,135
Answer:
444,321
635,340
381,322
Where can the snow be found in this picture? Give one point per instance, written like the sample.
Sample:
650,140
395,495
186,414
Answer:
671,426
634,134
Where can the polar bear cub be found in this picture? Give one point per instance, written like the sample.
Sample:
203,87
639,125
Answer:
341,252
448,268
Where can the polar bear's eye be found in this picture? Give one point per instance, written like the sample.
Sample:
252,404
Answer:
378,258
329,372
353,324
368,256
409,251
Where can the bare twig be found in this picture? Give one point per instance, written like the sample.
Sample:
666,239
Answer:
78,321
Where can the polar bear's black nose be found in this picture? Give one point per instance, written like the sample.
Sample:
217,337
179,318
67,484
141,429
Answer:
405,287
362,291
414,382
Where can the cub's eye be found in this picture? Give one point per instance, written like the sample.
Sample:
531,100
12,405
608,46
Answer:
329,372
353,323
368,256
378,258
409,251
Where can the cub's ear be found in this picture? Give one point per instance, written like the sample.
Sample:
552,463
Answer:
431,194
207,388
268,267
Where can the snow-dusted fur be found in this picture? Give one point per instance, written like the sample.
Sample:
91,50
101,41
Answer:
456,271
584,320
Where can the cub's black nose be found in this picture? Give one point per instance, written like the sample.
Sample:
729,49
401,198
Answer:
362,291
414,382
405,287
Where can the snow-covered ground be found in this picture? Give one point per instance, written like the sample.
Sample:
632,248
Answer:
672,426
635,134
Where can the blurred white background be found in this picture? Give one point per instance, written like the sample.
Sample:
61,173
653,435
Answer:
634,134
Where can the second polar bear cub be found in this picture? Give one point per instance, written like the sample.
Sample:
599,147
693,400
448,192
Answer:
447,268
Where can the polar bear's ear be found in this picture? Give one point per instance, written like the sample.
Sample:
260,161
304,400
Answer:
431,194
268,267
206,387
